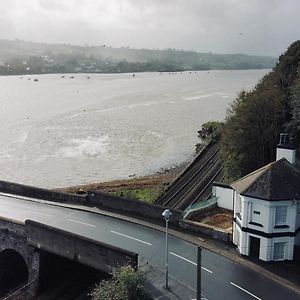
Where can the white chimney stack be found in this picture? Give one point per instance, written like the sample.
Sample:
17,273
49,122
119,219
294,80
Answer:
286,148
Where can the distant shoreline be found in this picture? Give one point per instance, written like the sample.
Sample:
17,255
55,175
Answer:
66,74
21,57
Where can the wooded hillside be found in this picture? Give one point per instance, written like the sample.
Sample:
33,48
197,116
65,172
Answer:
256,118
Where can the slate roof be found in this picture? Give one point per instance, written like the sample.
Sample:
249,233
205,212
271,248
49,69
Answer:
276,181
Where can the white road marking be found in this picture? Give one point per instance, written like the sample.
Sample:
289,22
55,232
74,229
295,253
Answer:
40,213
237,286
130,237
82,223
191,262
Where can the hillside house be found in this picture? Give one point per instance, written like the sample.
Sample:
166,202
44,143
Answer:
266,208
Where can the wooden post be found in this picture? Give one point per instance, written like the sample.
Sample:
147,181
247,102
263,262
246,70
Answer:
199,273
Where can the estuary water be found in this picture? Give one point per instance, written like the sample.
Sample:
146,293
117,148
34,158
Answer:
59,131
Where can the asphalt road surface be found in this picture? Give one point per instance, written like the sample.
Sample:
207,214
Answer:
221,278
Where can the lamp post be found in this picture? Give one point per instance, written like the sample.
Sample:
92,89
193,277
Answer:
167,214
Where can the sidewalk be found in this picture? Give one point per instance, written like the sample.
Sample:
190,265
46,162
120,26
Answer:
177,290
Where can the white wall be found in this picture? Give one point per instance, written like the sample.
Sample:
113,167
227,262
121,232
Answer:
291,216
289,154
266,252
267,219
225,196
267,214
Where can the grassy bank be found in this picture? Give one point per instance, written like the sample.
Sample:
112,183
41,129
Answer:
146,194
146,188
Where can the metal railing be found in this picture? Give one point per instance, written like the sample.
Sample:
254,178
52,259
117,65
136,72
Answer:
200,205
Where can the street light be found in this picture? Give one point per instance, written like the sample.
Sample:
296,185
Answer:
167,214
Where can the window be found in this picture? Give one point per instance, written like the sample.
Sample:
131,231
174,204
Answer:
280,215
255,217
279,251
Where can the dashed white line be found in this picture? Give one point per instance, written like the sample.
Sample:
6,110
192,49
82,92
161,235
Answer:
40,213
130,237
82,223
242,289
191,262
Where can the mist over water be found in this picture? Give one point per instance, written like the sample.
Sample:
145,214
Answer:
65,131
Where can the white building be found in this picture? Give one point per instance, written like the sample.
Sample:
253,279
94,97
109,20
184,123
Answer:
266,210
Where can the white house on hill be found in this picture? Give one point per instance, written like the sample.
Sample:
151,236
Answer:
266,209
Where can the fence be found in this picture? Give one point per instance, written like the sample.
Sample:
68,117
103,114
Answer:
200,206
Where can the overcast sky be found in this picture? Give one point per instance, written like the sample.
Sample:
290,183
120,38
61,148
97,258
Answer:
265,27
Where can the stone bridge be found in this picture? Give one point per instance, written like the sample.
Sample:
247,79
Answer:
22,254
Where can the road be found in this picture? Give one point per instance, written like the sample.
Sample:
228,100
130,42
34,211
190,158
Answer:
221,278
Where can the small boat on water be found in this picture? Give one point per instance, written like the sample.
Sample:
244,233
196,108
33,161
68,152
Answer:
35,80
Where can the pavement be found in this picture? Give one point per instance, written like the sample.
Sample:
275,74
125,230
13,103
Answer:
287,274
156,281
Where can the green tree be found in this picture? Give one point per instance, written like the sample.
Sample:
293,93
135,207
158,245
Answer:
125,284
295,108
257,117
252,129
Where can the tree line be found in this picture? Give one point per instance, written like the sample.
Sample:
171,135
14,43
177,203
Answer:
21,57
256,118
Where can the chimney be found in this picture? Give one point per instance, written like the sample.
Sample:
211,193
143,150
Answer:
286,148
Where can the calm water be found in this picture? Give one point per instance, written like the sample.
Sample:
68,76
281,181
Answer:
62,131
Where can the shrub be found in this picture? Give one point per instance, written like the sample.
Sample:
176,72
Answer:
125,284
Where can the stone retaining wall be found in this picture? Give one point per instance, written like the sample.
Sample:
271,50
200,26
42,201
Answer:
207,230
133,207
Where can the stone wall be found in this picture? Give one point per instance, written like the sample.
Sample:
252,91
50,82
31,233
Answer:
39,193
13,236
100,200
207,230
135,208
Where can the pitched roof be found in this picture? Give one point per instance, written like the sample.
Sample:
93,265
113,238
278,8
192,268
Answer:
276,181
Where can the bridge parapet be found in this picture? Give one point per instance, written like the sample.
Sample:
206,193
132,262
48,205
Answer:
89,252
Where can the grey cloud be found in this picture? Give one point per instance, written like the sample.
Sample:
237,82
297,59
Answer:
256,27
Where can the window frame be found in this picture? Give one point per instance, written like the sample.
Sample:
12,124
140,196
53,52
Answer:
280,255
281,216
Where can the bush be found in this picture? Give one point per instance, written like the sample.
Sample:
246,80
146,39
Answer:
125,284
210,132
